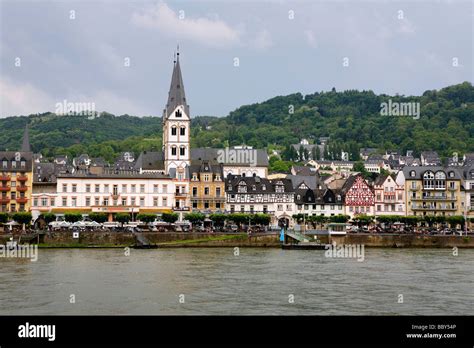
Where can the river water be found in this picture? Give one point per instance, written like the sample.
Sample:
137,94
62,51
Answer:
257,281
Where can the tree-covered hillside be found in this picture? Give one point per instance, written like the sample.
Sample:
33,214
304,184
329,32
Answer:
351,119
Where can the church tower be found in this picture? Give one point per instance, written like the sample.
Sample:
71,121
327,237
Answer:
176,127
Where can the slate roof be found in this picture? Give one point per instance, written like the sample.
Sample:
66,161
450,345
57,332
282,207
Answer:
150,160
420,170
211,155
9,156
176,95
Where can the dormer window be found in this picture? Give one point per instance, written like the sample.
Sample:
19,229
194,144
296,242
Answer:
254,187
23,164
4,163
451,174
264,187
412,174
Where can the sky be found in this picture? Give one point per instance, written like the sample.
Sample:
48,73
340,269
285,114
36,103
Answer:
119,54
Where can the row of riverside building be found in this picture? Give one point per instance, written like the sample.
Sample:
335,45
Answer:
184,179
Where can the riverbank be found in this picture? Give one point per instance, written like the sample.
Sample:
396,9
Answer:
101,239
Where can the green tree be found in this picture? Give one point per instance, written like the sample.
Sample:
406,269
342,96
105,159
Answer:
3,218
169,217
340,218
49,217
23,218
261,219
98,217
148,217
72,217
218,218
123,218
195,217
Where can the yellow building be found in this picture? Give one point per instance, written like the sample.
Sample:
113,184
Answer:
207,186
16,178
433,190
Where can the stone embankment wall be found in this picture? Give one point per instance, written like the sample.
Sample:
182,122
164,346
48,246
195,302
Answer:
174,239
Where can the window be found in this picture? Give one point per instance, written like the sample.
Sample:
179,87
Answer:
115,190
23,164
182,131
88,201
165,188
106,188
155,188
133,189
74,188
96,201
132,201
173,130
97,188
218,205
88,187
206,191
242,208
165,201
218,191
182,151
195,205
173,151
142,188
13,183
155,201
64,187
106,201
64,201
206,205
124,188
74,201
142,201
206,177
35,202
195,190
124,201
178,113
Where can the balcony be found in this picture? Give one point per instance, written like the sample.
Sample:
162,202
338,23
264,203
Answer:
4,200
22,178
4,177
5,188
434,208
21,188
434,198
21,199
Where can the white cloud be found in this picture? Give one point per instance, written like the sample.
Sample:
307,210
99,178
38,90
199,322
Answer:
263,40
310,38
22,99
211,32
25,99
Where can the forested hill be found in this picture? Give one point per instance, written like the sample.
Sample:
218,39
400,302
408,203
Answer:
351,119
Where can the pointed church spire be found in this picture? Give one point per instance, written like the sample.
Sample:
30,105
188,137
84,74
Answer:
176,95
25,146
